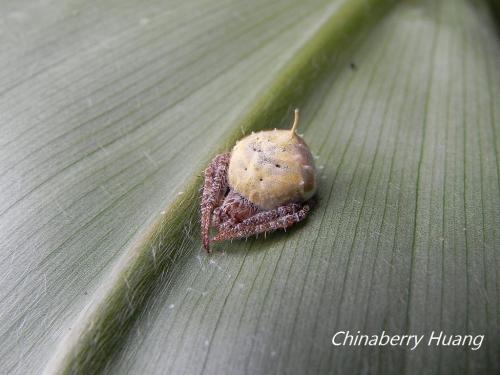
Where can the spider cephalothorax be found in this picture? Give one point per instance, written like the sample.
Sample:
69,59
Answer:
264,184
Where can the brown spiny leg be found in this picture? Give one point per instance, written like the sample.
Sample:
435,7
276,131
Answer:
263,216
233,210
266,221
214,189
218,216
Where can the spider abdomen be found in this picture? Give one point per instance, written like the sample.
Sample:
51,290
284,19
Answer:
271,168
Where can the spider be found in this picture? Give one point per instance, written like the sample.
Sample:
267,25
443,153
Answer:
265,183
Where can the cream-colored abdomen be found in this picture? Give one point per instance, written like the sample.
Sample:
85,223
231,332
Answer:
271,168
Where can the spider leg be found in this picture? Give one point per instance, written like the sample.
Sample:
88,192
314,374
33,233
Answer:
217,216
263,217
267,221
214,188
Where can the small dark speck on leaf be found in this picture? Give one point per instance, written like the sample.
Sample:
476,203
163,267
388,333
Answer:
353,66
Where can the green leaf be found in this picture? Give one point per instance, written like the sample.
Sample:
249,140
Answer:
108,114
